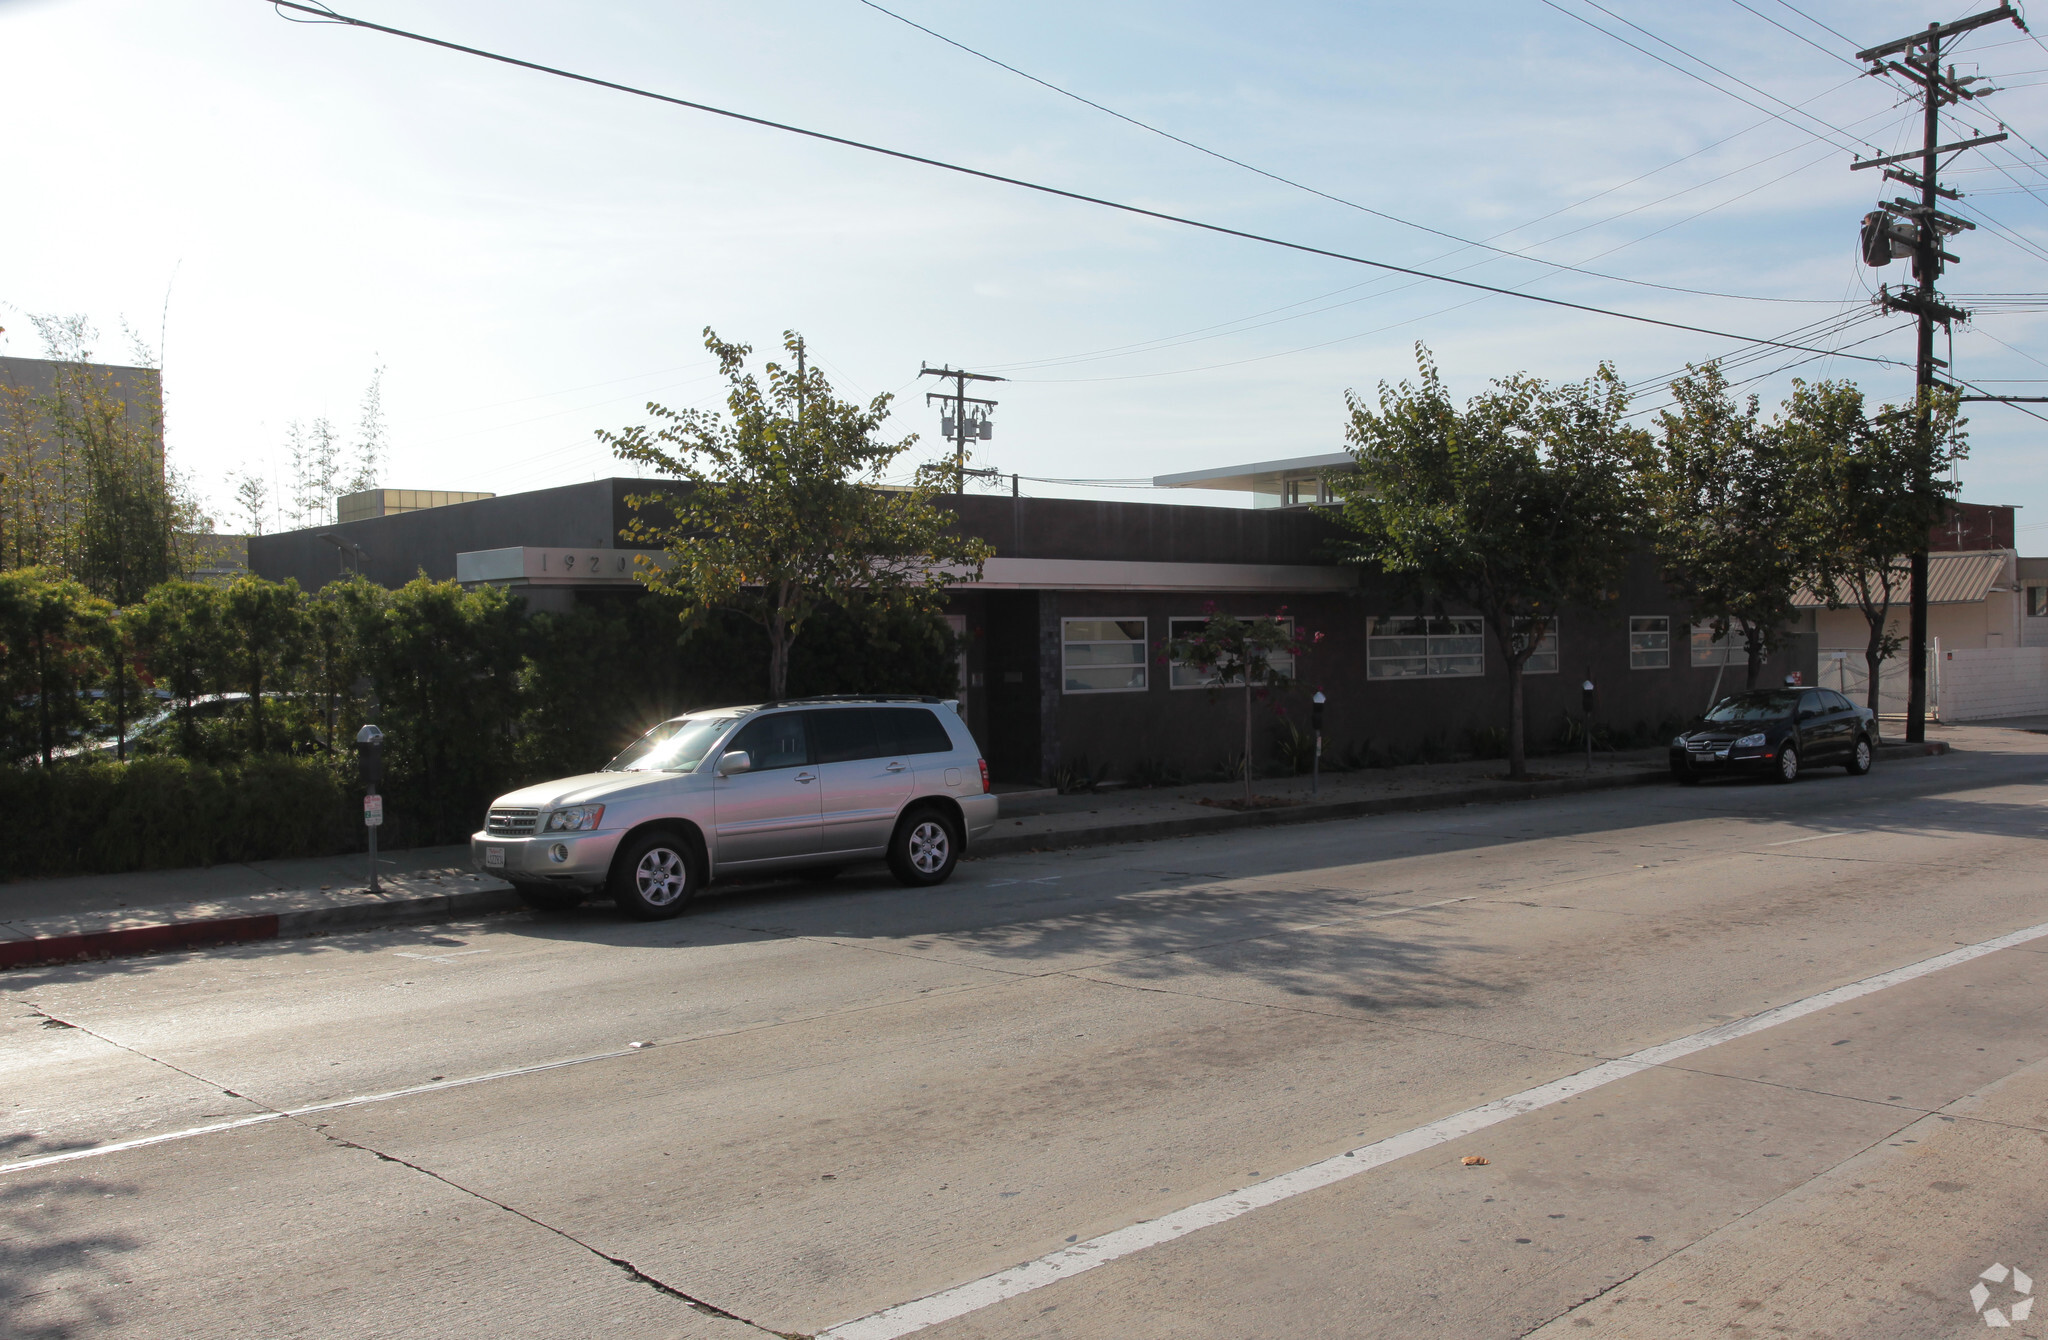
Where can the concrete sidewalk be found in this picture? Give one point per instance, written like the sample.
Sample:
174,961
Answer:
101,916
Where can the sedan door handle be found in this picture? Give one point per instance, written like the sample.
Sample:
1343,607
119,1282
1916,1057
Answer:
896,767
807,777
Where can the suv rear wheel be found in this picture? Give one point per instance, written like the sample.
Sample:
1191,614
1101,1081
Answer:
925,848
655,877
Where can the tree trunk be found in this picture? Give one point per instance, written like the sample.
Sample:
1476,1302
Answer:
1248,739
256,703
43,696
1752,643
778,645
1518,760
120,705
1873,650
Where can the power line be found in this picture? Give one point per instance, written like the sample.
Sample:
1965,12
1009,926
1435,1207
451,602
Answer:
1302,186
1836,55
330,16
1694,75
1816,22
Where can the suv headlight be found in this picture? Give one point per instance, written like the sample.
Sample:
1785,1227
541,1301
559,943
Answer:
575,819
1755,741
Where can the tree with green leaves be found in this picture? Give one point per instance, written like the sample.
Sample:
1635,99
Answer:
1871,485
265,623
1516,506
88,487
50,633
1731,534
181,631
123,686
1245,653
444,663
782,513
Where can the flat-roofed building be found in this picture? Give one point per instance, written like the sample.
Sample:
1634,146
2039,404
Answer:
391,502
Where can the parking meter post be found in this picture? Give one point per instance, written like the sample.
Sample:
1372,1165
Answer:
1586,704
370,756
1315,723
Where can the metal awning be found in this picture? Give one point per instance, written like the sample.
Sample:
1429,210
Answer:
1952,579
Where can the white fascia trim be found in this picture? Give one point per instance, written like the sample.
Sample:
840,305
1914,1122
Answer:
1087,574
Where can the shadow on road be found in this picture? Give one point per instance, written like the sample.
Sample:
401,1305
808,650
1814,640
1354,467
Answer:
48,1260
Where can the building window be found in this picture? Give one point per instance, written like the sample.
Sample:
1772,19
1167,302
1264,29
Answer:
1185,676
2037,601
1543,660
1425,648
1103,655
1649,642
1709,650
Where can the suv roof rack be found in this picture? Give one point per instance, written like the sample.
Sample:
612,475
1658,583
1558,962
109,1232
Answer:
854,698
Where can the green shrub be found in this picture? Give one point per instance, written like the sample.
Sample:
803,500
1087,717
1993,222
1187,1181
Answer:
163,813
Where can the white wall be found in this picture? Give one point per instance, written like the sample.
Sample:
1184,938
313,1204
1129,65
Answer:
1978,684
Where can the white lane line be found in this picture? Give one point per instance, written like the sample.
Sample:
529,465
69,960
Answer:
905,1318
192,1132
1792,842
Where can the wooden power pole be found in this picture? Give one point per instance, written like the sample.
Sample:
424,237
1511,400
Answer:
1905,226
961,429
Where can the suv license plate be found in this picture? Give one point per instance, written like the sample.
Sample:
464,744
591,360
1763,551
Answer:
494,858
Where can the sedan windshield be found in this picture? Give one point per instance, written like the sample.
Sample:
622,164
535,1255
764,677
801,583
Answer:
673,746
1765,706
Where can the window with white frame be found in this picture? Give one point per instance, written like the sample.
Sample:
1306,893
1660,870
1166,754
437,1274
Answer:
1543,660
1649,642
1433,647
1103,655
1185,676
2037,602
1710,650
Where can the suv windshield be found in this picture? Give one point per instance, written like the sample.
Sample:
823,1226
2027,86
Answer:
1765,706
673,746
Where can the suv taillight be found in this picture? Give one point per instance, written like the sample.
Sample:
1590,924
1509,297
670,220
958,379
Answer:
984,775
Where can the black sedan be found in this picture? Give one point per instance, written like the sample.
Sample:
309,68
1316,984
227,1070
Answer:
1776,732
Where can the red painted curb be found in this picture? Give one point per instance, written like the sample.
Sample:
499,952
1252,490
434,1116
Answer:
136,940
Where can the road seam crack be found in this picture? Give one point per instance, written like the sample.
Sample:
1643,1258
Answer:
619,1263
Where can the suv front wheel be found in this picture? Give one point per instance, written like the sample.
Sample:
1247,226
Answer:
655,877
925,848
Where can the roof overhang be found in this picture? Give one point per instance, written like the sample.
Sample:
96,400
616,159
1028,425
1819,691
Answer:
1952,579
1259,476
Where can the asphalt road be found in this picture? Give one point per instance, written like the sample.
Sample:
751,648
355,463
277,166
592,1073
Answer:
854,1097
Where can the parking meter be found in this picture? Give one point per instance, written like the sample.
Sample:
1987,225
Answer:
1586,692
370,762
1315,724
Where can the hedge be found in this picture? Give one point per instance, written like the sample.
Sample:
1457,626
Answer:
162,813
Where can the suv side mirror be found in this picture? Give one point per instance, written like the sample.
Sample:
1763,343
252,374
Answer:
735,761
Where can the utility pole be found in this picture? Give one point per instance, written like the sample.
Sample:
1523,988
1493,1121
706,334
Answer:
1920,230
957,427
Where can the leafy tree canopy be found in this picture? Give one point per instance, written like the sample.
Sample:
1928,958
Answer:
784,513
1520,503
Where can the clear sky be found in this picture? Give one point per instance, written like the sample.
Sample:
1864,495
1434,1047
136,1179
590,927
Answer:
291,205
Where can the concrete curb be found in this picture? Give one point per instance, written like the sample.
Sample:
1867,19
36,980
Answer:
1227,821
200,933
195,934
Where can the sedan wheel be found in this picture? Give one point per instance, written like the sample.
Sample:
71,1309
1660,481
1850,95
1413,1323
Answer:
1860,757
1788,764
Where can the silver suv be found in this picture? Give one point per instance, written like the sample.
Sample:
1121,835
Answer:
810,784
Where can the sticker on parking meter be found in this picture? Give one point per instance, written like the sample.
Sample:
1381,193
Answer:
373,811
